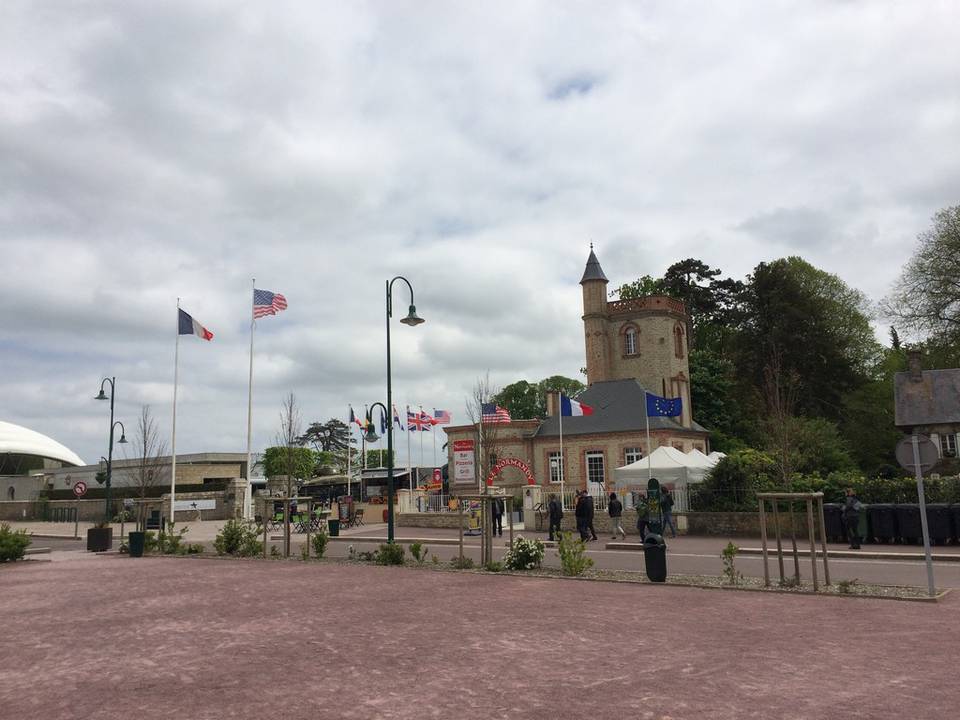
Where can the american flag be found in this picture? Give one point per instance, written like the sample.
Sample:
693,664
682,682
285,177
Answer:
491,413
417,421
440,417
267,303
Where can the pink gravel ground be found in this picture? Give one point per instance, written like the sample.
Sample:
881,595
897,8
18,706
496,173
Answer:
114,637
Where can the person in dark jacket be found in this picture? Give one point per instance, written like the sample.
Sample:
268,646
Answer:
615,508
496,511
666,507
851,517
580,512
642,512
555,511
588,514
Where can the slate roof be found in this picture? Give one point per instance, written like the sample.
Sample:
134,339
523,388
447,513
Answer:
618,406
934,399
593,271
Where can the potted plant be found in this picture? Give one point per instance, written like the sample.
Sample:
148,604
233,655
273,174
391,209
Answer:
100,537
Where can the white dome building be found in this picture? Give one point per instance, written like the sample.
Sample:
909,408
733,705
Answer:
25,452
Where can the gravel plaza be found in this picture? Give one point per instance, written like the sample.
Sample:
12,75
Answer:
112,637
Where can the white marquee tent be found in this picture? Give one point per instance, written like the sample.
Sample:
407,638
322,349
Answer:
668,465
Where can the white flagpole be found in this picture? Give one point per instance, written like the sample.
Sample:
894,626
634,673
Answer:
173,442
409,459
649,448
563,470
246,504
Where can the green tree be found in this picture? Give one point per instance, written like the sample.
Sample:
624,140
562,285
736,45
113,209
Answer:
646,285
926,298
527,401
332,436
717,405
378,458
297,462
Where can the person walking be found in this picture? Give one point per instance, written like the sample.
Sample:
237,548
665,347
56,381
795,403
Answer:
642,513
580,513
666,506
555,512
588,513
851,517
615,508
496,508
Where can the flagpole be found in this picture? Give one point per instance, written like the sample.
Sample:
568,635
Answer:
349,455
646,412
563,470
434,433
173,442
246,503
421,440
409,459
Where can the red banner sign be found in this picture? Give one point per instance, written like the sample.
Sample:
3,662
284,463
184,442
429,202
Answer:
511,462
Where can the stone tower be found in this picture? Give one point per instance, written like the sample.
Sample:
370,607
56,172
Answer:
594,284
643,339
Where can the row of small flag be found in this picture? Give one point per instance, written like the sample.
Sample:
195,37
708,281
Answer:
416,420
656,407
264,303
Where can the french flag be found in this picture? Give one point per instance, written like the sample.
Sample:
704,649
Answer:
573,408
189,326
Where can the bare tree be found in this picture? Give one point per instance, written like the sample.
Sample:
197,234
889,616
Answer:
149,453
488,434
289,437
780,391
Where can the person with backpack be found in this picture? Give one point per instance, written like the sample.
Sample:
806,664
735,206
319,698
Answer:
851,517
555,513
642,512
588,514
666,507
615,508
580,512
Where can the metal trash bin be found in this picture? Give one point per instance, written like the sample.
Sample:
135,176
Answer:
908,523
655,557
833,519
136,542
938,523
334,526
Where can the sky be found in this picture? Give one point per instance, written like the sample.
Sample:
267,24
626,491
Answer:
150,151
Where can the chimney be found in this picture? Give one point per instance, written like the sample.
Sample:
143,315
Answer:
915,365
551,403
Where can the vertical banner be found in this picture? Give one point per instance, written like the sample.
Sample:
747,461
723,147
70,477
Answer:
464,462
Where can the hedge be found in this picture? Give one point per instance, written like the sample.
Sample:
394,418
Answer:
126,491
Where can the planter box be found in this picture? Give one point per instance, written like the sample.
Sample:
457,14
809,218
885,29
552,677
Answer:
99,539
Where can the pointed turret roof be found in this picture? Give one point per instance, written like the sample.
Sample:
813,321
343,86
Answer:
593,271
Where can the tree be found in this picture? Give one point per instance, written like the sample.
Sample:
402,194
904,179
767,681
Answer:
331,440
289,439
528,401
378,458
718,406
150,457
488,434
926,298
296,462
645,285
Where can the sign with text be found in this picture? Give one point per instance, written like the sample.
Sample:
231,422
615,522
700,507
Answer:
464,462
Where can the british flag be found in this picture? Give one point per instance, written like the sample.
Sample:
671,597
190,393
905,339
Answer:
417,421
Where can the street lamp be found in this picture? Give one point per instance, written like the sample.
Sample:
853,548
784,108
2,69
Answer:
113,425
412,320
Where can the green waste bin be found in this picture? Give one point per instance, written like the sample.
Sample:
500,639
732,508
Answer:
655,557
136,541
334,526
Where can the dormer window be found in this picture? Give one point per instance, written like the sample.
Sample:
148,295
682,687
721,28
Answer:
630,342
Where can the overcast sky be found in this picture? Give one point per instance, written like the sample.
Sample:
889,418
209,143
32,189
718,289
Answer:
154,150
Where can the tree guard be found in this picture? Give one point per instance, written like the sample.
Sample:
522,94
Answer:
811,500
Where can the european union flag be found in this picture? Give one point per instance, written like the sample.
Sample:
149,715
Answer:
664,407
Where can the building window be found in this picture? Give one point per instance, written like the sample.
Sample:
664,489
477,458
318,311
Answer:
678,341
948,445
632,455
630,342
556,467
594,471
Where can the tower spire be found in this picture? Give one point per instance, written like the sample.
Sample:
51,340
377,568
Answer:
593,271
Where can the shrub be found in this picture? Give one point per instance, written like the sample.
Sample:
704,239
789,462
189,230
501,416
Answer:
419,552
846,587
462,563
730,572
493,566
435,559
390,554
194,548
238,538
572,558
524,554
320,541
13,544
149,541
366,556
169,542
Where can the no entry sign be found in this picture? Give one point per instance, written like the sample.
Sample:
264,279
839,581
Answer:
80,489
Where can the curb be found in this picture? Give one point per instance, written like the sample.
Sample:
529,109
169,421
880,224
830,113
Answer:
862,555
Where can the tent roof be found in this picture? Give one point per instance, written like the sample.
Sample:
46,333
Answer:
663,458
698,459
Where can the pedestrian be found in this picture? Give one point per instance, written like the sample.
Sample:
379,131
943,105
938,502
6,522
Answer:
851,516
666,505
497,512
580,512
555,511
615,508
588,513
642,511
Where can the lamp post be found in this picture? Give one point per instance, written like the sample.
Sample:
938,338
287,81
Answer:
412,320
121,441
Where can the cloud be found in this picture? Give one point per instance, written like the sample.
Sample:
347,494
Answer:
157,151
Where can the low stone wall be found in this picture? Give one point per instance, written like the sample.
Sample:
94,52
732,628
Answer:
92,510
742,524
429,520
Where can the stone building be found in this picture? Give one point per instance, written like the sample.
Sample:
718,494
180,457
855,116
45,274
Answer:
928,401
632,347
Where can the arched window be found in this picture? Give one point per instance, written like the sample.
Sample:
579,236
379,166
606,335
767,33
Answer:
678,341
630,341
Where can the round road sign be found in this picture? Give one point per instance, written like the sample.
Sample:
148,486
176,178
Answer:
928,453
80,489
